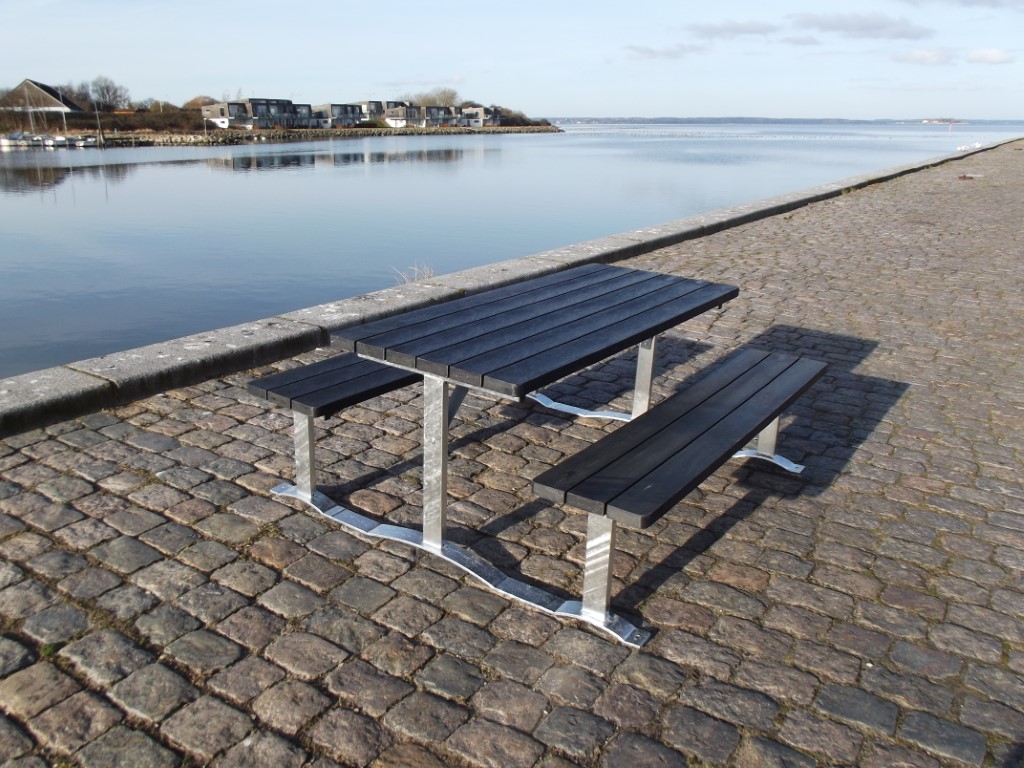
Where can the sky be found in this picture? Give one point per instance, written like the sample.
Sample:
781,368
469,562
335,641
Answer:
874,59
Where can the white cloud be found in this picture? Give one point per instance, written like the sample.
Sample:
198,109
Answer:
857,25
680,51
731,29
928,56
990,56
801,40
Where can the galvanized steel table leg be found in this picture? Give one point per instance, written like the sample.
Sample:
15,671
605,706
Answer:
435,461
644,376
764,448
458,394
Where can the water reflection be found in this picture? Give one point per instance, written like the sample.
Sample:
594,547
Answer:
40,172
31,179
294,160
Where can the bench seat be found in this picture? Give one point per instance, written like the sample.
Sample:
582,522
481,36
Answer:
637,473
323,389
328,386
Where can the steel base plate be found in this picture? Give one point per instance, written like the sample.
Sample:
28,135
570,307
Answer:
472,564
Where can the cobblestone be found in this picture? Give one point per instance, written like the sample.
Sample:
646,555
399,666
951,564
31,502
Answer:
202,652
206,727
289,705
152,693
159,607
122,747
104,657
74,722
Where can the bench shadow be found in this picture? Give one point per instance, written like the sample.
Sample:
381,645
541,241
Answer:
1015,759
597,387
827,425
822,430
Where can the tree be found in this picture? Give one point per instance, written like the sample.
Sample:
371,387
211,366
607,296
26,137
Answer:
108,95
438,97
198,102
445,97
513,117
79,94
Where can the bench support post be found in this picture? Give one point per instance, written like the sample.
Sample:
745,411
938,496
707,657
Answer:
764,448
597,567
644,376
435,462
305,457
597,582
304,488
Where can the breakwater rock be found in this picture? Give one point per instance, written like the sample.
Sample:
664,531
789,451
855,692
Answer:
222,137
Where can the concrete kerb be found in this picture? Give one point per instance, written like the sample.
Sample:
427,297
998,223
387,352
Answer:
37,399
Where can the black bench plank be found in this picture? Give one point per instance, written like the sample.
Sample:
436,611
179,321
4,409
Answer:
351,338
592,471
472,334
640,471
647,500
326,387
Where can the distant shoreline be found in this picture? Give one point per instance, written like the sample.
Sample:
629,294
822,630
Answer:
770,121
222,137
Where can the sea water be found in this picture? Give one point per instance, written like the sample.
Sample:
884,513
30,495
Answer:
104,250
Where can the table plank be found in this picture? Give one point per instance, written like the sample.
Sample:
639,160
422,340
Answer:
568,352
360,338
514,339
531,333
512,321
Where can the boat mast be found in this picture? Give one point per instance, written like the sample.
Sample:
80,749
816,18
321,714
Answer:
63,112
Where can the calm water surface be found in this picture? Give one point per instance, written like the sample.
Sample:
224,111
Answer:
106,250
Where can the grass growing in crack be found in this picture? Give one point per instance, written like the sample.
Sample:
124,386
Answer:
414,274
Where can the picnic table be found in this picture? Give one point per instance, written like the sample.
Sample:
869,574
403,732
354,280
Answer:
510,342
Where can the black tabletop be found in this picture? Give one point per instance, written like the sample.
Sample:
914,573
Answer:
518,338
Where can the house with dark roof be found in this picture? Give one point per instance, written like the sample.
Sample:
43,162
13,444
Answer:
31,96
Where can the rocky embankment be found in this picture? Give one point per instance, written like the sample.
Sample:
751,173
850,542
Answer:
221,137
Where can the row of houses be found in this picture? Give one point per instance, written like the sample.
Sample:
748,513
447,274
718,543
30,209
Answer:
283,113
32,97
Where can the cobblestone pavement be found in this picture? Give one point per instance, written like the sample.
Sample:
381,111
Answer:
159,608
